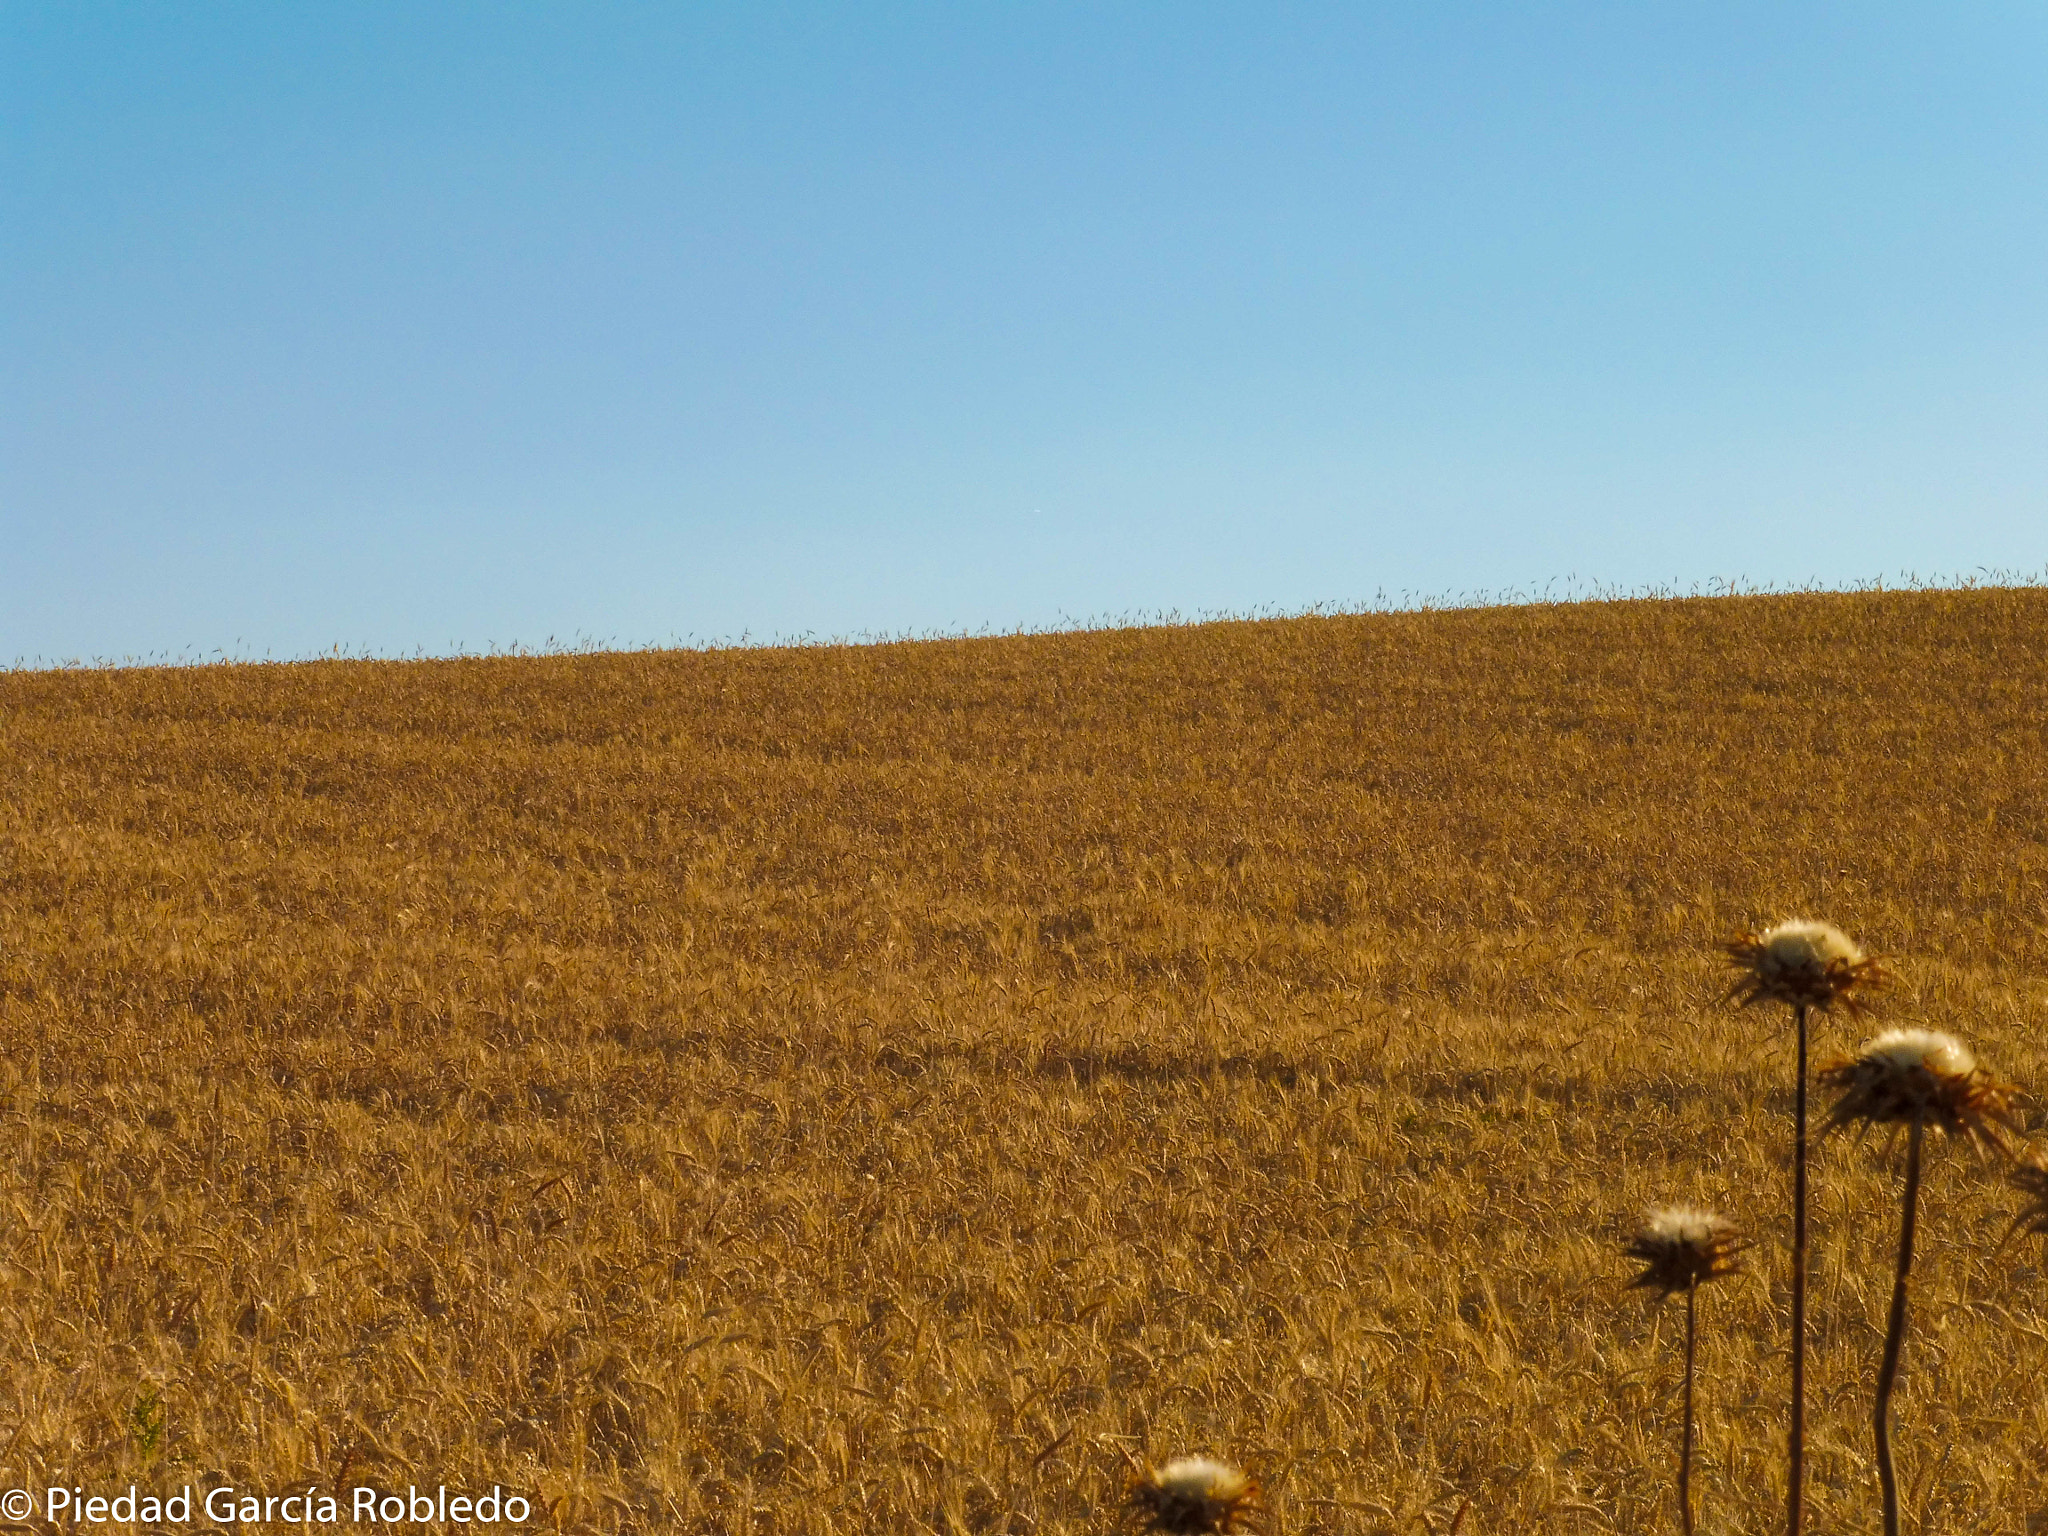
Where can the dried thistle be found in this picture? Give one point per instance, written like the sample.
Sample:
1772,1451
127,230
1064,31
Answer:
1681,1247
1806,964
1920,1077
1914,1078
1194,1495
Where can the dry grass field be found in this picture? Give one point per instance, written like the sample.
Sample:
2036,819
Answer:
879,1089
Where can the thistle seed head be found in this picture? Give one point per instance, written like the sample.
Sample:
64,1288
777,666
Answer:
1801,963
1681,1246
1194,1495
1920,1076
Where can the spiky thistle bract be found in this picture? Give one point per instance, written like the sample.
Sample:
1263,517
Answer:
2030,1178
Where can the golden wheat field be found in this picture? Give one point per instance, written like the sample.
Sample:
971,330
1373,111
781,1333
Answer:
894,1088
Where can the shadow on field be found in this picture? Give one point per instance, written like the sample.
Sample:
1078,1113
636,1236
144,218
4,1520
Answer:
1565,1088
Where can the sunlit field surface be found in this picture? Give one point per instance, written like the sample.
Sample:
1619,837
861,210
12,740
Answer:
886,1089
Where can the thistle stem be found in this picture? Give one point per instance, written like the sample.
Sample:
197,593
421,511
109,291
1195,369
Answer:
1796,1457
1895,1336
1685,1443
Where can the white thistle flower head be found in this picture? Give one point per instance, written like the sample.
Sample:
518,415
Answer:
1681,1224
1927,1049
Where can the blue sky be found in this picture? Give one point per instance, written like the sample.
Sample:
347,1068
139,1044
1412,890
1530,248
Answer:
448,326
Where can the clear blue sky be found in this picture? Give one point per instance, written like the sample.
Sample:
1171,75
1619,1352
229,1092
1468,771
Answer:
446,326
